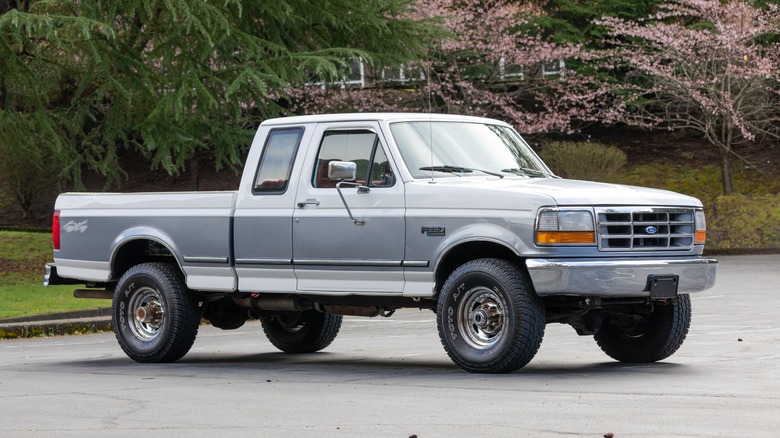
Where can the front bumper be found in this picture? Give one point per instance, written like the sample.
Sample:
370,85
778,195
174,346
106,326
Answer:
616,278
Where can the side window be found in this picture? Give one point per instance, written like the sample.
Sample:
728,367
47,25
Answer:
273,172
360,147
381,172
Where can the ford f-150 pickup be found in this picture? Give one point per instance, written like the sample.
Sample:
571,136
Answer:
364,214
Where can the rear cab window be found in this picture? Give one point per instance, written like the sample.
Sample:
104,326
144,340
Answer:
276,163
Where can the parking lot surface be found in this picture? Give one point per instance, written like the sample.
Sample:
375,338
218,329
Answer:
392,378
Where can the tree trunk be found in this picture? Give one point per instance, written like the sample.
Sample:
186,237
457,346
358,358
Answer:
725,169
195,171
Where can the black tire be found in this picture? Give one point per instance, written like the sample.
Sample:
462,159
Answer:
301,332
155,316
490,320
649,337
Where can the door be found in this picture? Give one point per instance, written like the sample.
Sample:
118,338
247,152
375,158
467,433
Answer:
262,224
331,252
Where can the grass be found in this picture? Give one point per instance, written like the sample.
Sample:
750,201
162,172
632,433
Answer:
703,182
745,221
22,259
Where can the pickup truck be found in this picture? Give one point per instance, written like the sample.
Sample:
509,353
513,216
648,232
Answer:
364,214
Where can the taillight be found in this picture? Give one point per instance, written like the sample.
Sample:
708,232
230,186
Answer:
55,229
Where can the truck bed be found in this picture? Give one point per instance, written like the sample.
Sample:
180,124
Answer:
193,227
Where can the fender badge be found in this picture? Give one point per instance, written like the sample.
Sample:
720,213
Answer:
433,231
74,226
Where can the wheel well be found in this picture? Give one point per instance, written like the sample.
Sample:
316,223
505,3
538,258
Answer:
469,251
139,251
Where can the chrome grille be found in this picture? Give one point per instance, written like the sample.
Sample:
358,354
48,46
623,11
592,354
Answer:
645,228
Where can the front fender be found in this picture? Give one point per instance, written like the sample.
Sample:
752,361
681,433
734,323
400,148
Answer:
482,232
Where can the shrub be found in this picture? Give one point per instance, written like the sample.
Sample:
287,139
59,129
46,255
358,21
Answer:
585,161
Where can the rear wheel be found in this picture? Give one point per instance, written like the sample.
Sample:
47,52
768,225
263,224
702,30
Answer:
647,337
489,318
301,332
155,316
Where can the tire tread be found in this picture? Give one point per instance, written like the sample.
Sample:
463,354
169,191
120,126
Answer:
320,332
182,309
528,312
666,335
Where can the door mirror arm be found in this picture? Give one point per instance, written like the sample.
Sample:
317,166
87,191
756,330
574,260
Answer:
361,189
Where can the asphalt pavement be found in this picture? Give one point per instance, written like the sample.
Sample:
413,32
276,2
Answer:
391,377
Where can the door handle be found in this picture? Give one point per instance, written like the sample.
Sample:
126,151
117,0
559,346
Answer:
308,202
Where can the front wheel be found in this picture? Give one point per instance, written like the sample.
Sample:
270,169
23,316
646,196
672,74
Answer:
301,332
155,316
647,337
489,318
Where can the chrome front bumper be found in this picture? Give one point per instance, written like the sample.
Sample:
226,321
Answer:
617,277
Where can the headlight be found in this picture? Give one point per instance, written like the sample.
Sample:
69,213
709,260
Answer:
701,227
565,227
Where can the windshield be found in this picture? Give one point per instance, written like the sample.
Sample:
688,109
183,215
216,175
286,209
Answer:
464,149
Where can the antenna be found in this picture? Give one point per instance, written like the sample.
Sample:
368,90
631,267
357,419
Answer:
428,76
430,116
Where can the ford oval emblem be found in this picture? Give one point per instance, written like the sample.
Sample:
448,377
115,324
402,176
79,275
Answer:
651,230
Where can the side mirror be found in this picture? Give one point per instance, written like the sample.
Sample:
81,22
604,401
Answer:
342,170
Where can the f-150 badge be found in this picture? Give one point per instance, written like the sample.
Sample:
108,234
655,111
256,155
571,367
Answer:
433,231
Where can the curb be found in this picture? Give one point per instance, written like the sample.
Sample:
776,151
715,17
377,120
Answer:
54,328
77,314
56,324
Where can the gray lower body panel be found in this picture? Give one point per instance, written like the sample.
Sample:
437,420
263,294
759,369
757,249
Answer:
617,277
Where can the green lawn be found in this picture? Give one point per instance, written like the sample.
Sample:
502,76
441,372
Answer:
22,259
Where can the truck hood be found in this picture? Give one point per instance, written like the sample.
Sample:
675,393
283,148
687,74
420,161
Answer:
572,192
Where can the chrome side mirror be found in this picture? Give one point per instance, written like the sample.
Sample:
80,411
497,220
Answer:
342,171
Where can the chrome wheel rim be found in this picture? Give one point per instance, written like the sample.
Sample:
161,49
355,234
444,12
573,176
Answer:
146,314
481,317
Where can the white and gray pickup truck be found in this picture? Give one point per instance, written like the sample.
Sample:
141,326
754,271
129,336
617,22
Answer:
364,214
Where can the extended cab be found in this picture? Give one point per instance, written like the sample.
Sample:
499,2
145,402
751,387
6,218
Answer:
363,214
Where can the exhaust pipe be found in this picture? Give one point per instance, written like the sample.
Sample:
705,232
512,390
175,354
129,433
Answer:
276,303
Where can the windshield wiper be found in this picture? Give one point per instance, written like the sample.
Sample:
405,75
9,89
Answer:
459,169
525,171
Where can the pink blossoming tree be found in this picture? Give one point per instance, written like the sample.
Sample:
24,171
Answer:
490,63
703,65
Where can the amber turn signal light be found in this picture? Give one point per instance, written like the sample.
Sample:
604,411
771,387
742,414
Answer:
553,237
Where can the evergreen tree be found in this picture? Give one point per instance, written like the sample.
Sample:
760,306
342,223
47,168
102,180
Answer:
81,82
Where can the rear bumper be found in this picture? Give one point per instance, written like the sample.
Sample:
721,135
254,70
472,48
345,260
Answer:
617,277
50,277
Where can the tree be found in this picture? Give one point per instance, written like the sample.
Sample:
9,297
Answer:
705,65
493,62
575,20
173,80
